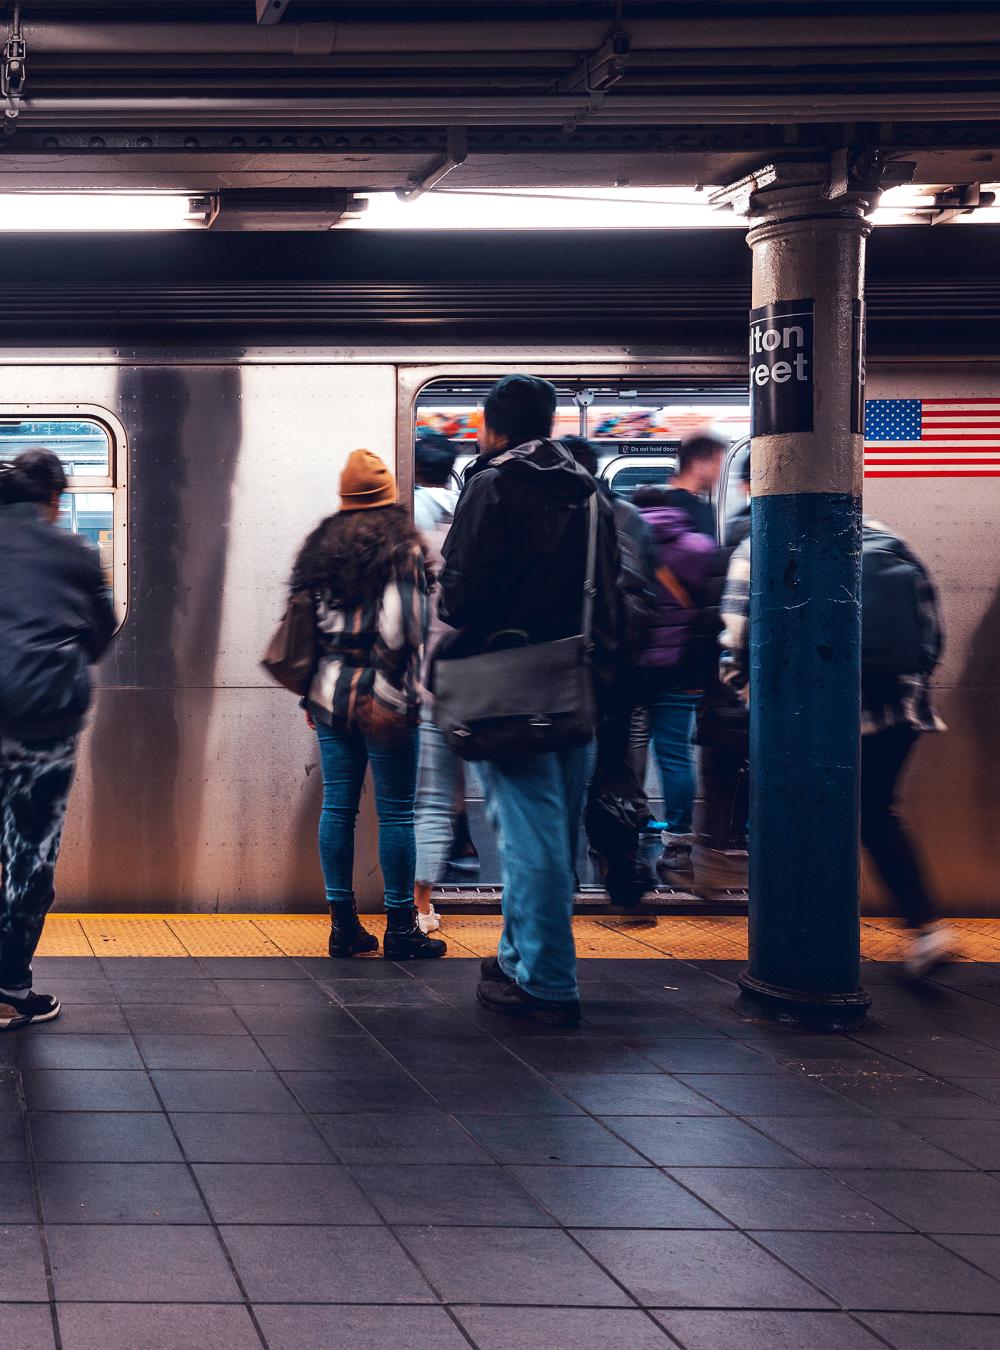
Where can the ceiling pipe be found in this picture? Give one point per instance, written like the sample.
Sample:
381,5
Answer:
533,110
572,37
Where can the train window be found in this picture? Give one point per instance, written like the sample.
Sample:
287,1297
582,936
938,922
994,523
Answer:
83,446
92,453
624,474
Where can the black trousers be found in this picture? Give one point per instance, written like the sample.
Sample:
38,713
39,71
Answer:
883,756
720,816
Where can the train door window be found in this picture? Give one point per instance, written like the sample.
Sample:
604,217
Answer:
91,449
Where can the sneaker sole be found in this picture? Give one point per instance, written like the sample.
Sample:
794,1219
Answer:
23,1020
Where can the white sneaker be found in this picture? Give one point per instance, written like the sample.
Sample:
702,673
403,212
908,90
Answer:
429,923
929,949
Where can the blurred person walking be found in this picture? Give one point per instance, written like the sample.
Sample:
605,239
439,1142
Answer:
516,559
677,663
440,813
56,620
902,640
365,569
617,811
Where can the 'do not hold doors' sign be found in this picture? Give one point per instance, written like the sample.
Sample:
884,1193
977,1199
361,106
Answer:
781,367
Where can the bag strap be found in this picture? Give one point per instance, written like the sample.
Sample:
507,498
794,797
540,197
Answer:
589,580
670,583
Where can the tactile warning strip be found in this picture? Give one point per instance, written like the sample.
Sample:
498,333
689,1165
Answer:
690,938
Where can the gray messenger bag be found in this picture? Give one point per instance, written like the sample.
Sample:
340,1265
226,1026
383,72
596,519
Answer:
523,699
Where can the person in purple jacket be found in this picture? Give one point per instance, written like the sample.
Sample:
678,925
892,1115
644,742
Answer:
679,656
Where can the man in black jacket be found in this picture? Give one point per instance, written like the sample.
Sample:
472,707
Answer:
55,620
515,560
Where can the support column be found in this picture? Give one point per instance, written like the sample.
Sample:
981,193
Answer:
806,384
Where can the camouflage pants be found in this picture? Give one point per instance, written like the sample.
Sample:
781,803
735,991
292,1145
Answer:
35,780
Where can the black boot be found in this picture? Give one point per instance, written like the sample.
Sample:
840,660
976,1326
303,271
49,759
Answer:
347,936
403,939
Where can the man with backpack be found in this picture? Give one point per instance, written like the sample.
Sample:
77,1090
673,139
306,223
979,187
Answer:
527,527
901,646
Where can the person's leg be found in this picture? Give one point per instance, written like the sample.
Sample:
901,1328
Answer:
883,756
394,771
35,780
439,778
342,759
672,724
529,803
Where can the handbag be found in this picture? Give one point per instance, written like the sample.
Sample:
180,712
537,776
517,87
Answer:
528,699
292,654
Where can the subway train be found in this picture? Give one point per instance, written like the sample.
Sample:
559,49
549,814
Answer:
203,441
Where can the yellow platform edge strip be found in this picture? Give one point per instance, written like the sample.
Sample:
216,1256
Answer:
690,938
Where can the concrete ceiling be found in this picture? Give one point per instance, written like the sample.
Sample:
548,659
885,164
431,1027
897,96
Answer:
202,96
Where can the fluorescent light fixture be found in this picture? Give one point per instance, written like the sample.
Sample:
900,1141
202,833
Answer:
83,211
546,209
677,208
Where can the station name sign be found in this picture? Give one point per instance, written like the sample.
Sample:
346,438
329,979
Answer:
781,367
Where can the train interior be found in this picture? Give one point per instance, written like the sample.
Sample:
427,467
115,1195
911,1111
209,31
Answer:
636,428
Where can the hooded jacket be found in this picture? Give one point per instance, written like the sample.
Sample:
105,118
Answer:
688,582
55,620
515,555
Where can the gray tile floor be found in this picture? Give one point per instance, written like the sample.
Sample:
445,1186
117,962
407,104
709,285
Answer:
306,1156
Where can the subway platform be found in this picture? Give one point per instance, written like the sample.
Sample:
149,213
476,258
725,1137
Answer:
227,1139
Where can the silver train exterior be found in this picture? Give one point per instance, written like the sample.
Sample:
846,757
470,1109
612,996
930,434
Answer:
198,788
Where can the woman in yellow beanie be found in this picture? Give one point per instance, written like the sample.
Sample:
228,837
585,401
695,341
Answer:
365,567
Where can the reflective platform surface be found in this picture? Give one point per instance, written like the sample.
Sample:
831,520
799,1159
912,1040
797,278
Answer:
276,1150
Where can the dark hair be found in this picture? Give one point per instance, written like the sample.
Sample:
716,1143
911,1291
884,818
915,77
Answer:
648,495
36,475
705,445
745,471
582,451
521,407
350,556
435,459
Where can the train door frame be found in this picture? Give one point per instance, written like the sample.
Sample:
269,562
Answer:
115,482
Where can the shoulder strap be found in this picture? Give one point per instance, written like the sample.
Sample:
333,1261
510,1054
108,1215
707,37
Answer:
589,581
672,584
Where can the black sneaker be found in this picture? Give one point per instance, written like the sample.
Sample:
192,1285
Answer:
21,1012
491,970
510,998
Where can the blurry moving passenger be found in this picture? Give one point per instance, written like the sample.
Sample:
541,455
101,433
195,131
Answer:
722,732
443,838
515,562
900,648
55,621
616,803
738,526
677,663
365,567
699,464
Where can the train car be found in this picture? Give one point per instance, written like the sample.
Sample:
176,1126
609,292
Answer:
198,462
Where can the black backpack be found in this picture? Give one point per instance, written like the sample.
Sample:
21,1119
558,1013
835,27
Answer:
892,626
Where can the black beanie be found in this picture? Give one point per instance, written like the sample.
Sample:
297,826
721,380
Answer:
521,407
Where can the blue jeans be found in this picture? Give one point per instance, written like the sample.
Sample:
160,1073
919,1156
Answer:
344,756
671,716
535,808
440,787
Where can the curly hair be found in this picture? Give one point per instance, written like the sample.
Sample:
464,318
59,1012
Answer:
351,556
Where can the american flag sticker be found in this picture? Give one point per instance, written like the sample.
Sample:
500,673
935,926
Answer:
932,438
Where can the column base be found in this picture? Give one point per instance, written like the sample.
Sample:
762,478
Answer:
799,1008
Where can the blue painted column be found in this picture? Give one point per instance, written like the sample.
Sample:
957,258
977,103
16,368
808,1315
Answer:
806,371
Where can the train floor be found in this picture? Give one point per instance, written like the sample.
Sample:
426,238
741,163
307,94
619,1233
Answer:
227,1139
